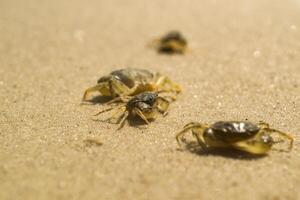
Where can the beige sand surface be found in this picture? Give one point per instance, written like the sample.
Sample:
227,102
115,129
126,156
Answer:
244,63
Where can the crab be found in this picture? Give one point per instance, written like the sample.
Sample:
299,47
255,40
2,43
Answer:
145,105
131,81
240,135
172,42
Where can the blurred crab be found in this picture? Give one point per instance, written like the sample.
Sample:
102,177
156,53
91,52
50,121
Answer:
244,136
172,42
145,105
131,81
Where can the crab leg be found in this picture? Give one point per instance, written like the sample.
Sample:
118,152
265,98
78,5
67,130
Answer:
139,113
122,121
90,90
282,134
163,81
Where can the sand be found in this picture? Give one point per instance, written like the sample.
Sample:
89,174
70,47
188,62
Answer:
243,64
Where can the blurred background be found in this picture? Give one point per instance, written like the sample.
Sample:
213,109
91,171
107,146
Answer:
243,63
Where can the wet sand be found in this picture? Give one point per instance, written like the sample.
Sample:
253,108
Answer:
243,63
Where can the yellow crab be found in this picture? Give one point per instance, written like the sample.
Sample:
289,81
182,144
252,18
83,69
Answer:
171,43
131,81
244,136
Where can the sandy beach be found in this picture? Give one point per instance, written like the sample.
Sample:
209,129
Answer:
243,63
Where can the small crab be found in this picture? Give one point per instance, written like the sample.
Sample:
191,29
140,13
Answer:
244,136
145,105
172,42
131,81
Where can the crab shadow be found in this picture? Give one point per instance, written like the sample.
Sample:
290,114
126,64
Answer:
97,100
134,122
169,52
194,148
138,122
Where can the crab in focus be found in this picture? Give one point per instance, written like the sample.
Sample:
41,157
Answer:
244,136
129,82
145,105
172,42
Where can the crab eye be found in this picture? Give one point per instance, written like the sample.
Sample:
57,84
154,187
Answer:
267,139
150,98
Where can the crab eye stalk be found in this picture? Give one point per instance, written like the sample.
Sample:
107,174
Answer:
267,139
